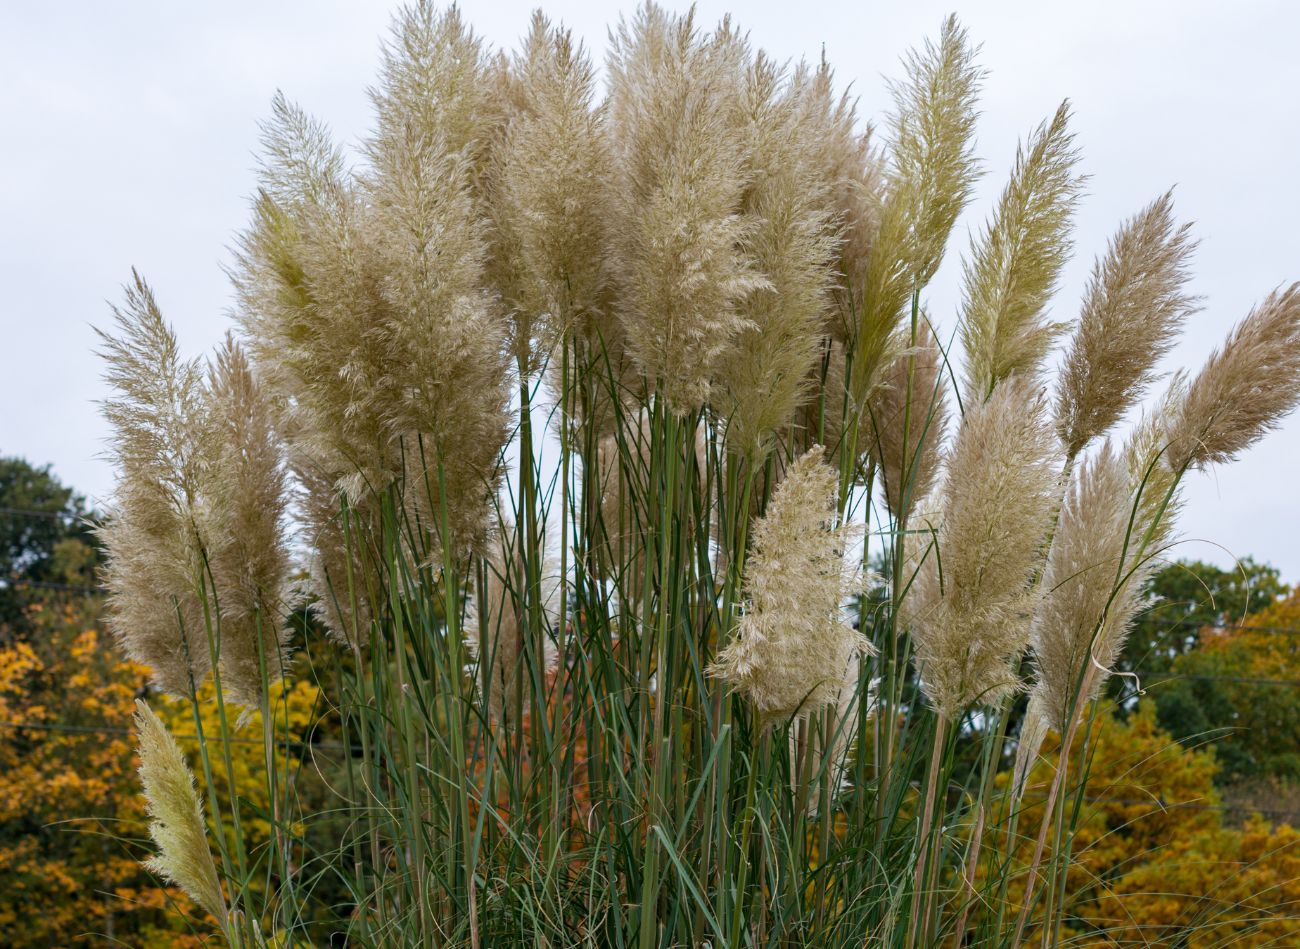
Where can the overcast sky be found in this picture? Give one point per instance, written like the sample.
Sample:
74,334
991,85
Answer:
127,133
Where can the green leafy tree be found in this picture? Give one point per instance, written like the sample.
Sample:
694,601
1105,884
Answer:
1241,686
1185,597
46,540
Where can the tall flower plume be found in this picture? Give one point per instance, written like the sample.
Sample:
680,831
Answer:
176,824
681,262
932,171
1244,389
1135,305
970,604
249,559
1092,585
1015,264
154,534
364,297
908,414
766,374
196,545
793,651
548,185
853,174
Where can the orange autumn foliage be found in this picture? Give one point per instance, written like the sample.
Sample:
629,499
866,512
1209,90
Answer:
1152,858
71,817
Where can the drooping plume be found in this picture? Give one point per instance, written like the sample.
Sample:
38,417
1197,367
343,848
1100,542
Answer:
932,171
176,824
1134,307
970,604
907,418
154,535
679,174
1245,388
1016,262
793,649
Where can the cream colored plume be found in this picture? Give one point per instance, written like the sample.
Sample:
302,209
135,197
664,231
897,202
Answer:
907,416
499,622
929,181
1245,388
363,296
1015,264
1093,583
766,374
1134,308
176,824
548,182
853,174
155,533
681,248
249,558
973,558
793,650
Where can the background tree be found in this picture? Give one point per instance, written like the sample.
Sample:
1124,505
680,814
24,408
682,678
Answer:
1183,598
46,540
1241,686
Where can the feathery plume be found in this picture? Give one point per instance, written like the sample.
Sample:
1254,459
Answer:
970,603
932,171
155,565
249,561
176,825
445,369
1092,584
1016,262
500,618
793,650
1245,388
547,183
853,176
908,414
766,374
680,244
1134,307
433,95
364,299
1116,520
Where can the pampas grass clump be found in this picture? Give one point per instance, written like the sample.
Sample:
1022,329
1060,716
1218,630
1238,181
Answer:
561,424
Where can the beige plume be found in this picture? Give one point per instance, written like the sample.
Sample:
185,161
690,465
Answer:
765,375
970,604
792,650
548,184
1015,264
1245,388
249,559
932,171
176,824
908,415
680,243
155,533
1134,307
